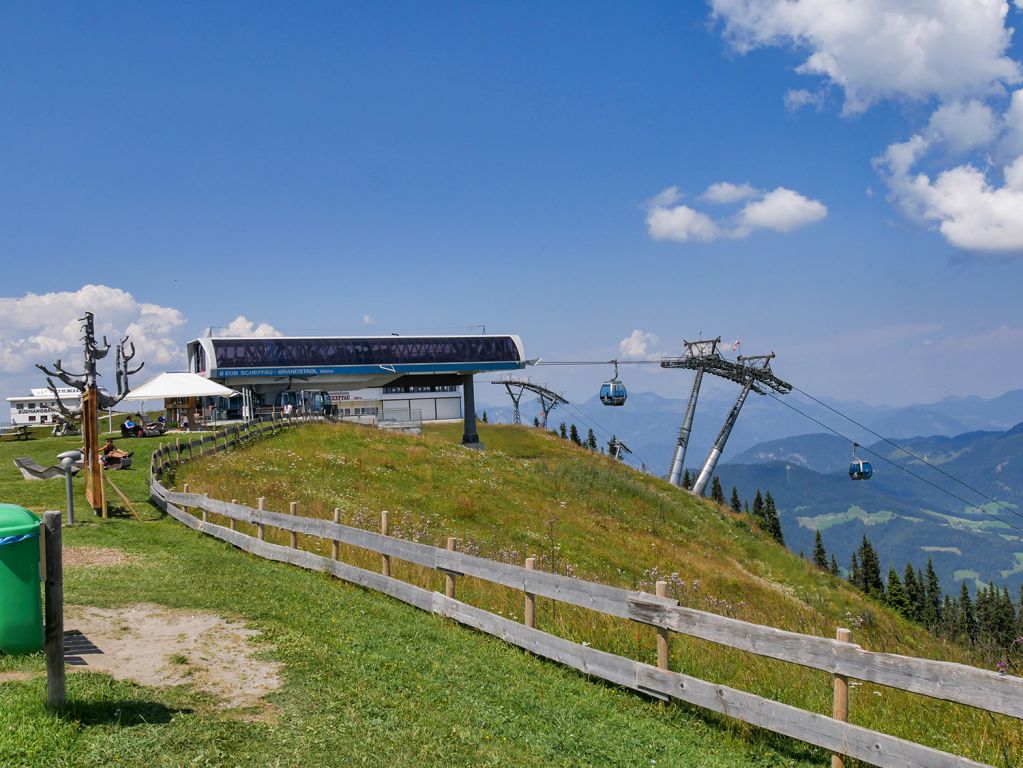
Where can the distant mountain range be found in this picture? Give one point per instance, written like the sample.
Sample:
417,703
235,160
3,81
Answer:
977,440
649,423
906,518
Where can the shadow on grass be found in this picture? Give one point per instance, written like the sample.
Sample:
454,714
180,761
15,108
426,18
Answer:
124,712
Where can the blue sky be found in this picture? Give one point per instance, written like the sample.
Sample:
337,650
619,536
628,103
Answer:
348,168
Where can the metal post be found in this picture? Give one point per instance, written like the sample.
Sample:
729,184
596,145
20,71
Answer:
469,437
67,461
56,689
678,464
719,445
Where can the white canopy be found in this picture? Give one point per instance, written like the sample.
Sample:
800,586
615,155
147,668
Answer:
168,385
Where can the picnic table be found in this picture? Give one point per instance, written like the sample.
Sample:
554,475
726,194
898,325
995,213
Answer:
18,431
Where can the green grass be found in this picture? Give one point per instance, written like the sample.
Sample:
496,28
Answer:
823,522
371,682
532,494
367,680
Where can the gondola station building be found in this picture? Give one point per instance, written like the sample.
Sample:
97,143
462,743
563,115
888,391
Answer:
428,377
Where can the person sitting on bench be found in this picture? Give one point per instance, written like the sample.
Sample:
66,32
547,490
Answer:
109,453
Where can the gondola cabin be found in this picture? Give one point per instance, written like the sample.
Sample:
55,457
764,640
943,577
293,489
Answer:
860,470
613,393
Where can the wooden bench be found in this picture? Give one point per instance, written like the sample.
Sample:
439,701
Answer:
17,431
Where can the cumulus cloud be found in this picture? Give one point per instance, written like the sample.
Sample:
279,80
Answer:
725,192
780,210
797,98
42,327
242,326
963,125
878,49
967,209
951,51
637,344
368,320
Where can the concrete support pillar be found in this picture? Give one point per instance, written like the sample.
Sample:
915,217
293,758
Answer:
469,437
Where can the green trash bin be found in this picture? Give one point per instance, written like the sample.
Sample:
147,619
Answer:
21,607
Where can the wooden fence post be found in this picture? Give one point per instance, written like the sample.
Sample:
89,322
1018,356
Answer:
184,489
177,451
205,514
334,546
260,528
230,520
661,590
530,609
449,580
56,689
385,529
840,710
293,510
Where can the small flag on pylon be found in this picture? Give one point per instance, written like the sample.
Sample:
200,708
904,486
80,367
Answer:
736,345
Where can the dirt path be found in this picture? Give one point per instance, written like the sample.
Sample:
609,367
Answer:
158,646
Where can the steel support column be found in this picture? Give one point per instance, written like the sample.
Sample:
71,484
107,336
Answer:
719,445
469,437
678,464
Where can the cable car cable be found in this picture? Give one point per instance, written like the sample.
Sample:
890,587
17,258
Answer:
907,452
904,469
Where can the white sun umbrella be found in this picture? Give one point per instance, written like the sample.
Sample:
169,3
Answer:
172,385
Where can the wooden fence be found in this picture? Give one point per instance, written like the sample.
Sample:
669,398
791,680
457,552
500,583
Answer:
959,683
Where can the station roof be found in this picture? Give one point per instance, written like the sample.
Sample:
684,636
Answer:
243,357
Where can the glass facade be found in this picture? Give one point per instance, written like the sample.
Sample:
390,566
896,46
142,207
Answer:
400,350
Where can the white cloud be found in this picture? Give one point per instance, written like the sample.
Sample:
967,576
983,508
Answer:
40,328
637,344
368,320
963,125
797,98
681,224
878,49
242,326
726,192
780,210
664,198
968,210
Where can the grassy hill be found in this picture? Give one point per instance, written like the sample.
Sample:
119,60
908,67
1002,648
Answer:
579,513
371,682
367,681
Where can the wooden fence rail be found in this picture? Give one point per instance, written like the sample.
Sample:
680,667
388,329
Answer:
938,679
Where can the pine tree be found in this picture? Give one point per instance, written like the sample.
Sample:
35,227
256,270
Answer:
563,431
717,494
834,565
758,506
536,422
591,440
484,417
895,595
573,435
820,555
932,596
735,503
687,481
914,593
951,618
773,522
855,574
870,567
969,617
745,507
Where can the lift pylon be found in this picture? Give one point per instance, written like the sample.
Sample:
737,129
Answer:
549,399
757,376
700,354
